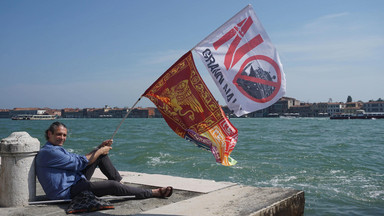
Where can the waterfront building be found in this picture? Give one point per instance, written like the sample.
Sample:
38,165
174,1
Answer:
118,112
319,109
139,113
53,112
108,112
154,113
282,105
335,108
259,113
352,107
96,113
72,113
286,106
374,106
5,113
304,110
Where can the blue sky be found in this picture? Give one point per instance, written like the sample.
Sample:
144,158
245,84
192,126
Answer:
86,53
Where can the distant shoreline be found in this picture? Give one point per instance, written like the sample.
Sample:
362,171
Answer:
285,107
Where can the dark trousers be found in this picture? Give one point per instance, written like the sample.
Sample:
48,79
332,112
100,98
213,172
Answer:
112,186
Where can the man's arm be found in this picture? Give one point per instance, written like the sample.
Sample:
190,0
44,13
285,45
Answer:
102,149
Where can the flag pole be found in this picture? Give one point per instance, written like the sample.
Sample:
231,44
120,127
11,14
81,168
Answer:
126,115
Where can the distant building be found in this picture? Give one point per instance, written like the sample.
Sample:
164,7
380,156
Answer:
118,112
72,113
139,113
304,110
352,107
5,113
374,106
283,105
96,113
335,108
319,109
154,113
259,113
53,112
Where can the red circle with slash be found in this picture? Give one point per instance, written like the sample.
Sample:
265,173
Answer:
276,85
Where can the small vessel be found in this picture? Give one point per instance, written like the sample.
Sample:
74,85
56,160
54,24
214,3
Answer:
33,117
359,115
273,115
290,115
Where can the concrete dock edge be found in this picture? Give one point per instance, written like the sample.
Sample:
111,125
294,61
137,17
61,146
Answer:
293,205
191,197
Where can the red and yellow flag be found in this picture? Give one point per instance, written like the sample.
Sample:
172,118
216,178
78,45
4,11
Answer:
191,111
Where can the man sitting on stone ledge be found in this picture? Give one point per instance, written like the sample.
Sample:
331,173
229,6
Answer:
64,175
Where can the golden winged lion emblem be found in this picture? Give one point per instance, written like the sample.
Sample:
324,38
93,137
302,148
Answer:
181,95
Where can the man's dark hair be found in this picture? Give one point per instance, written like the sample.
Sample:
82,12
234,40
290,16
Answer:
53,127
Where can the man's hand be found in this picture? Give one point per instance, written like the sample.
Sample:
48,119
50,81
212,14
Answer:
106,143
104,150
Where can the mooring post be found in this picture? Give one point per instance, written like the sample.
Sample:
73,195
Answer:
17,176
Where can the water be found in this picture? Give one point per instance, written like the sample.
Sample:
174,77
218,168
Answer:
339,164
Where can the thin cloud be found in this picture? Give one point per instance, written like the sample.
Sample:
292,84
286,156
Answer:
329,24
338,49
327,19
332,38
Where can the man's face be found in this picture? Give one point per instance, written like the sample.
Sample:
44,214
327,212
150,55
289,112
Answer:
58,137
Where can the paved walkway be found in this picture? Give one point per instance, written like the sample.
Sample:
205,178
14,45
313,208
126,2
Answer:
191,197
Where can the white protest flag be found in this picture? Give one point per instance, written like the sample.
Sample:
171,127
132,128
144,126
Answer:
243,63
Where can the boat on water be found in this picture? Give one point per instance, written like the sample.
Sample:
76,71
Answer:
290,115
273,115
33,117
360,115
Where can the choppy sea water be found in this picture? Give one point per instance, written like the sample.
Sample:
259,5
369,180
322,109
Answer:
339,164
